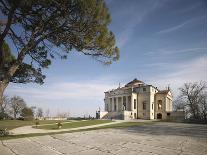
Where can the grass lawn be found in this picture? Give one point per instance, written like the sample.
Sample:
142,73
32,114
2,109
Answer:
11,124
74,124
120,125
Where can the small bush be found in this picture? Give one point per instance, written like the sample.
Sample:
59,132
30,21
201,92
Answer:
59,124
4,116
37,123
3,132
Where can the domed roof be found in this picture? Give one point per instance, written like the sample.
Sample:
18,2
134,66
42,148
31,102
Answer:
134,82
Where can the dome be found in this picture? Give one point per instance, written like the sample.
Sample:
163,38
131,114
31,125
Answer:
134,82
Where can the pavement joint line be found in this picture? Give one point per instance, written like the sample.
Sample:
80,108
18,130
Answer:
45,146
10,149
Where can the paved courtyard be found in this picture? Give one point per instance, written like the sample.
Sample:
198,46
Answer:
159,138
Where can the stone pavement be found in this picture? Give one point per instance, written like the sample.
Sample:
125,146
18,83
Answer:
157,139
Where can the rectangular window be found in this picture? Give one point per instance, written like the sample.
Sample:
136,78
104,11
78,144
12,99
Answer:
144,105
152,106
159,105
144,89
135,102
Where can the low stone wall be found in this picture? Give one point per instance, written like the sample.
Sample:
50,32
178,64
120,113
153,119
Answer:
176,116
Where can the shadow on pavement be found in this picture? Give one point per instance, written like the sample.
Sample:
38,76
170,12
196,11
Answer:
173,129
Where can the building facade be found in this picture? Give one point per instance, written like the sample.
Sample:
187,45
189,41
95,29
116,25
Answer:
137,100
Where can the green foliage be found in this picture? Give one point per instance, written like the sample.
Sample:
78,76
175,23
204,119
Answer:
4,116
53,28
24,74
3,132
37,123
27,113
59,124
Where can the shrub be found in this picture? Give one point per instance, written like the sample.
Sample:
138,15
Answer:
59,124
3,132
4,116
37,123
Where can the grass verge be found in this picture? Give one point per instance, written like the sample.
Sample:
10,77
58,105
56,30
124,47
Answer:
74,124
11,124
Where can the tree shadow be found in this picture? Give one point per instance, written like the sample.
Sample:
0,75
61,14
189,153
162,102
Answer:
171,129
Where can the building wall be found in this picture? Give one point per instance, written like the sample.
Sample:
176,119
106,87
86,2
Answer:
143,97
134,99
166,105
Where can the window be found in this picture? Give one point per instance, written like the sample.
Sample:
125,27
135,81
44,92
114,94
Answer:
152,106
144,105
159,105
144,89
135,102
168,114
129,103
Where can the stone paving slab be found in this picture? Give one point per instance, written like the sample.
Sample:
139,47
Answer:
157,139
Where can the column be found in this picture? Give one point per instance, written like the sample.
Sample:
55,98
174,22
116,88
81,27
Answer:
132,103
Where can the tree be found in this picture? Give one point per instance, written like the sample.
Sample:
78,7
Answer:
203,106
27,113
47,113
192,94
42,30
179,104
39,112
4,104
17,104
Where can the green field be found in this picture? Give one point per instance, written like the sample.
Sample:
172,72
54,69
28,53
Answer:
11,124
74,124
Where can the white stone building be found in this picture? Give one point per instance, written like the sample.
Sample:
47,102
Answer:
137,100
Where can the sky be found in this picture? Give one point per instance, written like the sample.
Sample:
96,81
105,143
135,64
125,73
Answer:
162,42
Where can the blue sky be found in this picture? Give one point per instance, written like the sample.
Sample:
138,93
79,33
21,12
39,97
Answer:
162,42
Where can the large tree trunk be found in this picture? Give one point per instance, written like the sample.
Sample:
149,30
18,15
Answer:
2,88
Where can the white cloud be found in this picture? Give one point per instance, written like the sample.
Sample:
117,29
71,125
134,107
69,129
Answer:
164,52
79,98
181,25
174,28
180,73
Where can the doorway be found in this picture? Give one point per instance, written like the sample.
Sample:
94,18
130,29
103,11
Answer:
159,116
